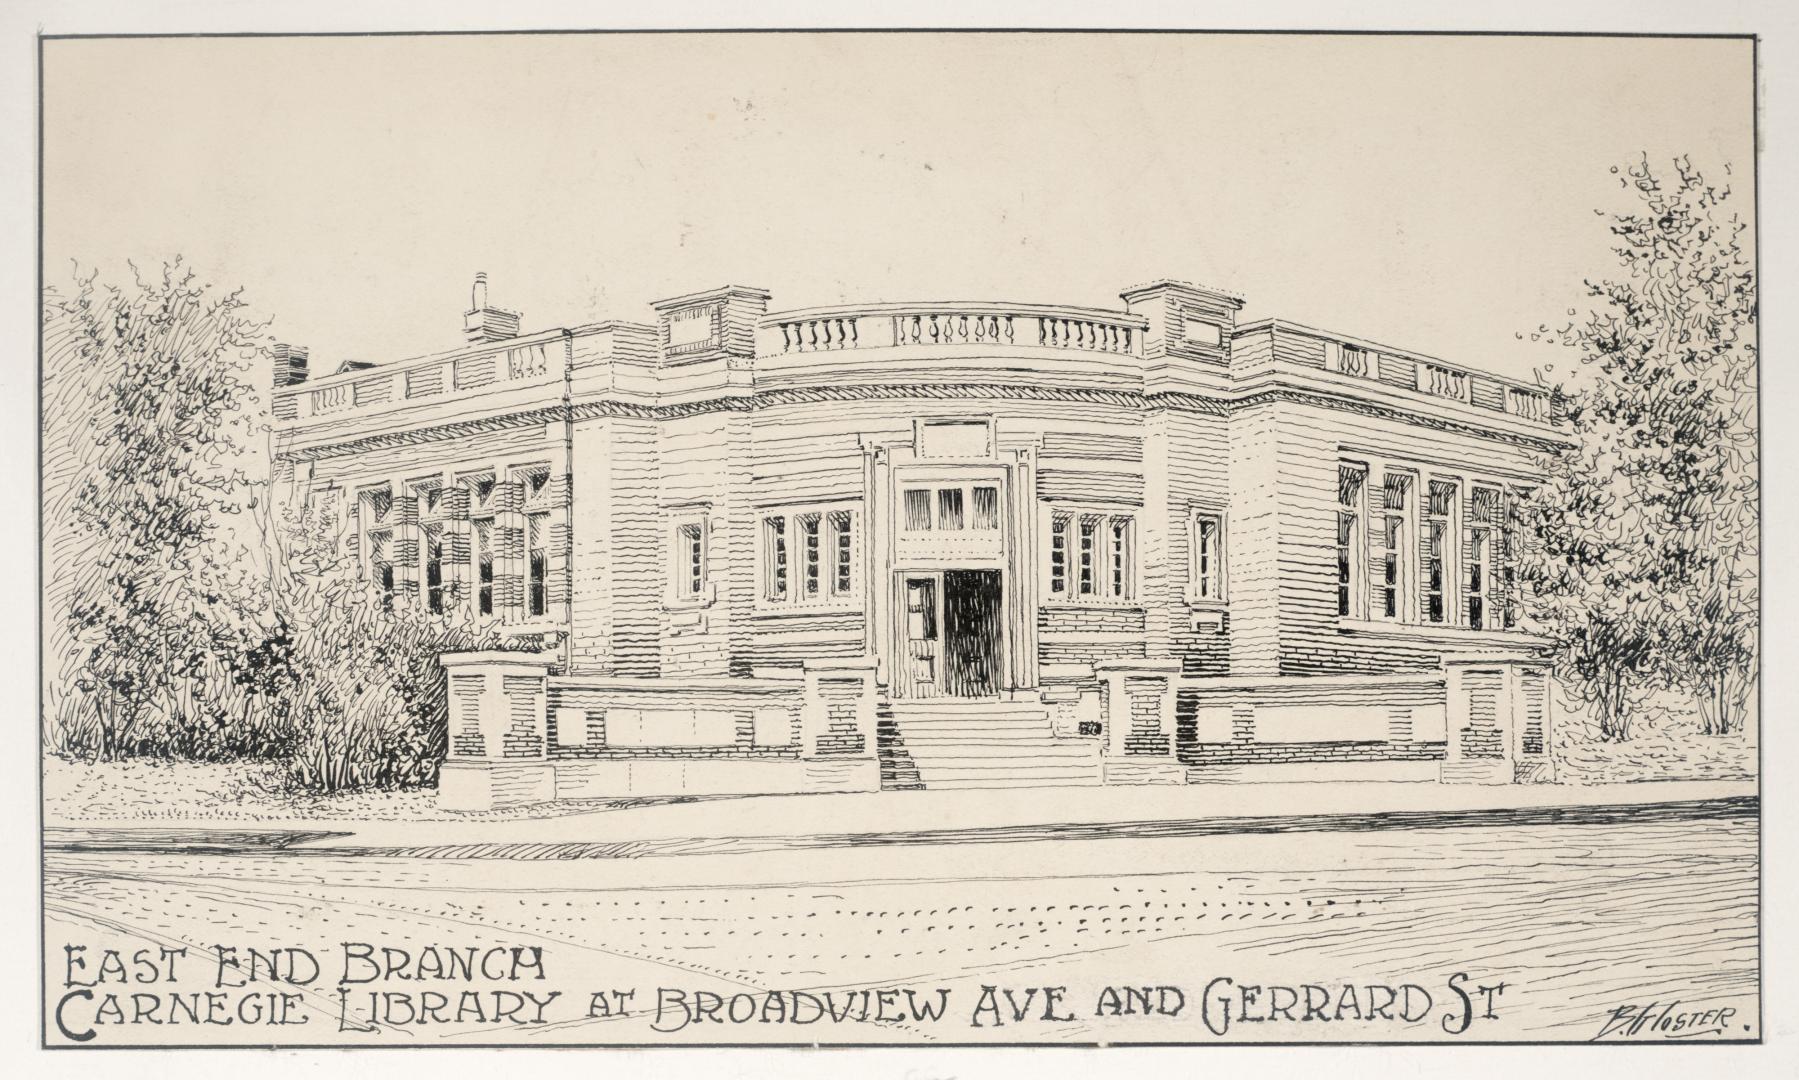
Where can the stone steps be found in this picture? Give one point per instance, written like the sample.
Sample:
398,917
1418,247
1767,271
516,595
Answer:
937,744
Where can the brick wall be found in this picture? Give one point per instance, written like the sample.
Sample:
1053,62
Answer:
1234,753
1146,734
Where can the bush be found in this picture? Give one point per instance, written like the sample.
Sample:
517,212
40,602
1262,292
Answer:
354,674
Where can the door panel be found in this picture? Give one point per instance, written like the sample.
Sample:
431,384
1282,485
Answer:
924,635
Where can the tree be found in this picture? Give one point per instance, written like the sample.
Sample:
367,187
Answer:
150,426
1643,569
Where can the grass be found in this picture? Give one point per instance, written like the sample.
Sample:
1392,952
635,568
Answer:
1665,744
77,793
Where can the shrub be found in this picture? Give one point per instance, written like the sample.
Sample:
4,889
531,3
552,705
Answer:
354,673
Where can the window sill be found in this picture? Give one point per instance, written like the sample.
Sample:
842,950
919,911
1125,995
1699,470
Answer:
839,606
1208,603
1448,635
687,603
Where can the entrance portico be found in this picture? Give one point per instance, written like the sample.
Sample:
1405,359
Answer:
952,535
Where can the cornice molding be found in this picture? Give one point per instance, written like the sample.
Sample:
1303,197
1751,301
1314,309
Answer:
1175,401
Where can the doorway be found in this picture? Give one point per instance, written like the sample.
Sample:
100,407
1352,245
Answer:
952,634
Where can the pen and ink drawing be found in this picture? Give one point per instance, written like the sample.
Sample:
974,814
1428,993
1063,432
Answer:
1019,670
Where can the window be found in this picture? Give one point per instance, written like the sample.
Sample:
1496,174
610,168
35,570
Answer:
434,571
536,481
1121,560
690,559
1440,552
1206,535
1089,551
949,509
812,547
823,543
1439,514
537,590
841,577
381,564
483,530
1511,536
986,508
1104,557
1351,484
1484,511
918,509
774,557
429,494
1396,491
480,491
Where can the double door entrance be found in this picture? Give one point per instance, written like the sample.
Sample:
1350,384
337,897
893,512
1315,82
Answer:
952,634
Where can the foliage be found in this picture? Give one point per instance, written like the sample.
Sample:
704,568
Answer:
147,452
188,620
355,674
1643,566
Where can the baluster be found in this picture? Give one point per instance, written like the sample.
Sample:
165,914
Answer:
1009,330
855,335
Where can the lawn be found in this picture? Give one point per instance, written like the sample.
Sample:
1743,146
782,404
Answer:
1665,744
77,793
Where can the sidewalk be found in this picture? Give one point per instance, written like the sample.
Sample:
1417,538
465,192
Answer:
781,822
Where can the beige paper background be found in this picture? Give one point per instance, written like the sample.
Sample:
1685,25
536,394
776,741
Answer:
382,277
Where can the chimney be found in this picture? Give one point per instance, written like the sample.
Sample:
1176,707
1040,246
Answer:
483,323
290,364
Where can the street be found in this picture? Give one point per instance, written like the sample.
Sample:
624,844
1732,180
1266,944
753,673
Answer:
1528,932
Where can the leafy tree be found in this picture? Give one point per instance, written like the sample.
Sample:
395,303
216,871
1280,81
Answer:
1643,569
148,454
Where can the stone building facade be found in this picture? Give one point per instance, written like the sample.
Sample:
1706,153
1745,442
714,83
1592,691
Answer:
942,544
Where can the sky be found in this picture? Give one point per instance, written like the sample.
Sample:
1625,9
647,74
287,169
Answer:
1434,194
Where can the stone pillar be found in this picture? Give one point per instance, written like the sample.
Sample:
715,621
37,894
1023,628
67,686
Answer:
1141,741
1023,567
559,547
509,550
1498,720
877,554
458,572
837,723
497,731
406,544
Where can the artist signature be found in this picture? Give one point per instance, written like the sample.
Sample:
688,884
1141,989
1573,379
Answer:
1656,1020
